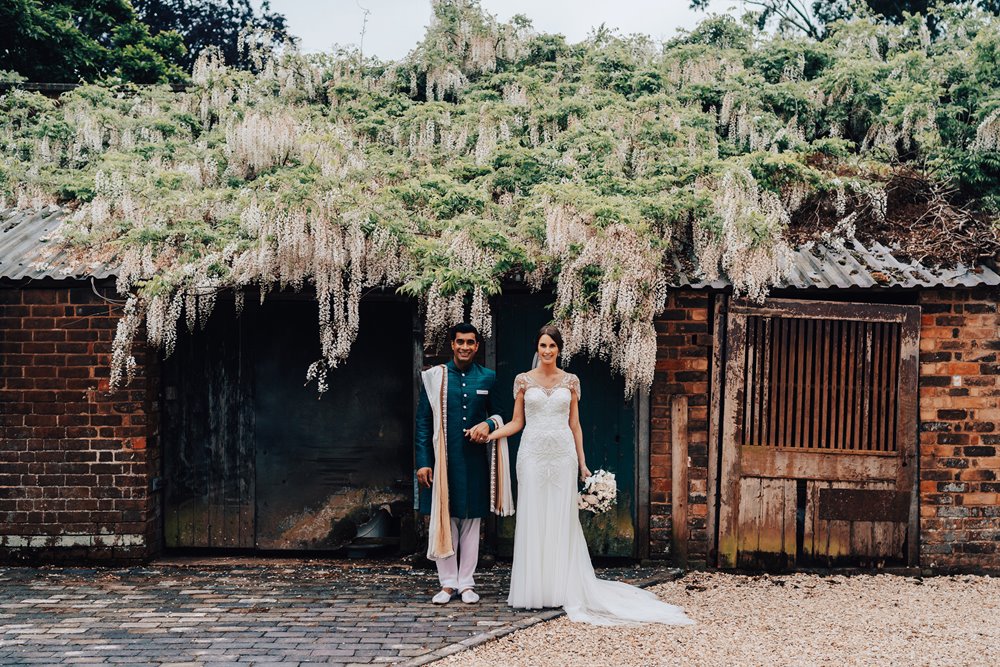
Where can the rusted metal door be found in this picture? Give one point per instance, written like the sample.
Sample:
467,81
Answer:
326,465
819,434
253,458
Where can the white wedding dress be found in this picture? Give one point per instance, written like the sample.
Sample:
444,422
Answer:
552,565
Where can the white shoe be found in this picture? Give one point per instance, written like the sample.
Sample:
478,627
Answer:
470,596
442,597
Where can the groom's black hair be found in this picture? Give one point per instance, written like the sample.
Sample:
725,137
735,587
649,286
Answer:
464,327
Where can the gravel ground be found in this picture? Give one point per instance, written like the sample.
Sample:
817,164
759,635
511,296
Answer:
798,619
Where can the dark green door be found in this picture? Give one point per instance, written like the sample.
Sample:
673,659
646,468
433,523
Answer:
323,464
253,458
607,420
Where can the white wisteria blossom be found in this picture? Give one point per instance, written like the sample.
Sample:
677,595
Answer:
492,154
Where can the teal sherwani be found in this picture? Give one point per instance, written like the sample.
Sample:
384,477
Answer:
468,462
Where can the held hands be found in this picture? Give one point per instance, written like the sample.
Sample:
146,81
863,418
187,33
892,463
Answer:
479,433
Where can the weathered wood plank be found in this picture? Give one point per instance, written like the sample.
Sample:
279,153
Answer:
749,380
771,529
822,310
679,482
815,464
750,515
799,386
838,533
907,424
883,538
788,398
851,404
824,395
642,423
866,386
893,386
760,379
714,423
811,534
763,432
839,404
885,546
815,380
729,497
862,539
878,393
774,385
791,519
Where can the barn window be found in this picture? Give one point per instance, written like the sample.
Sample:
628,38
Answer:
827,384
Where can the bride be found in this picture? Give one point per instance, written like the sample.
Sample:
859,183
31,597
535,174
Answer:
552,566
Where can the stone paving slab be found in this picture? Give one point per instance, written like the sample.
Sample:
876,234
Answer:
216,612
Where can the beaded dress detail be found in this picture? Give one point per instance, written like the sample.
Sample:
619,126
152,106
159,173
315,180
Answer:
552,565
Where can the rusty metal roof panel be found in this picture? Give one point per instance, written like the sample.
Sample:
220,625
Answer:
850,264
26,251
684,278
26,248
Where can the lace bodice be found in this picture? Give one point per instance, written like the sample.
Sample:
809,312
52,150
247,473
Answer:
524,381
547,408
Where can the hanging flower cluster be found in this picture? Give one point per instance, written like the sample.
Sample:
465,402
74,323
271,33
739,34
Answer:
748,244
606,299
494,153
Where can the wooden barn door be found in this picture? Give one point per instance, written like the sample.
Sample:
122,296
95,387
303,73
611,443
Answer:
207,426
819,434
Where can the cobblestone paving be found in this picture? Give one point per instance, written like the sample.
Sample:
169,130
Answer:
238,612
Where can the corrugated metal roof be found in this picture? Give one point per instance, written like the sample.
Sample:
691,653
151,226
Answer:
27,248
851,264
26,252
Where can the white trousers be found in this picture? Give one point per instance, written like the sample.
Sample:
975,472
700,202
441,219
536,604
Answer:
456,570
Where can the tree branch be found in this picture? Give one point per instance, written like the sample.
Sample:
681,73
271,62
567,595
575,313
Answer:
777,7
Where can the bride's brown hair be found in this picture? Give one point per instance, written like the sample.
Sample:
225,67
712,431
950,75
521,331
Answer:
551,332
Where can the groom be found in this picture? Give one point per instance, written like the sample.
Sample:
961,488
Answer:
453,424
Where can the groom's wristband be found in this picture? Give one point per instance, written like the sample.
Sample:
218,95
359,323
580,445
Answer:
491,424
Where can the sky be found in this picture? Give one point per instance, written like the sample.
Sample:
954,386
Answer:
395,26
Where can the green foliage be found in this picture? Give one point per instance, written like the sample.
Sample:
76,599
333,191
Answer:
493,151
218,24
137,57
66,41
815,17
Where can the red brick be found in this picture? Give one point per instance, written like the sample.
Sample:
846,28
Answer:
960,465
684,352
54,360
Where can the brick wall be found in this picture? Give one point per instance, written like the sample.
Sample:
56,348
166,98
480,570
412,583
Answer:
684,349
959,432
76,460
959,437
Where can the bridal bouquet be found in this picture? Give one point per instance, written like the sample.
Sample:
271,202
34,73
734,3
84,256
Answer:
600,491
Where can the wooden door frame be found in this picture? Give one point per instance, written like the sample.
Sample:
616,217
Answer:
719,308
727,398
642,501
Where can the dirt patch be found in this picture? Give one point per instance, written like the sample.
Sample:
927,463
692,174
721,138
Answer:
926,221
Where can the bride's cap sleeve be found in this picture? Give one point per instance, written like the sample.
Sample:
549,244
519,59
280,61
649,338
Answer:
520,384
574,385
